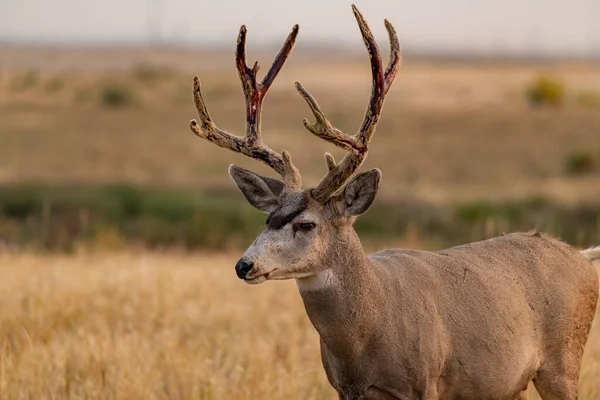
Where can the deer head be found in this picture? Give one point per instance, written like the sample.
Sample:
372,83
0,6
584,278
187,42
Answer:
303,226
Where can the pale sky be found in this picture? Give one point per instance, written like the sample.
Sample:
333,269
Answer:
562,27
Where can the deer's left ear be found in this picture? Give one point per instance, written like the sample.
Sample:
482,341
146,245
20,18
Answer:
359,193
260,191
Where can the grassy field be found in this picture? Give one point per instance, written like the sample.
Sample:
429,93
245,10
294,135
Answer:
96,158
163,326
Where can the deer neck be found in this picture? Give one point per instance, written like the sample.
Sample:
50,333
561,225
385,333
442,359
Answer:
341,299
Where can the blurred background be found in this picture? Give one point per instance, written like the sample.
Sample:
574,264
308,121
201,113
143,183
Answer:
119,228
492,125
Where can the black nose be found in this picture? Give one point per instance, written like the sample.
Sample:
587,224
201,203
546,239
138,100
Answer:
242,268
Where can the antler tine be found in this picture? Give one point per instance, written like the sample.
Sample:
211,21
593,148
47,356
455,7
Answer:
357,146
395,57
322,127
251,144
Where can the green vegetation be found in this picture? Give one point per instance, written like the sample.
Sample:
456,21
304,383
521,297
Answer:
62,218
579,163
116,96
546,90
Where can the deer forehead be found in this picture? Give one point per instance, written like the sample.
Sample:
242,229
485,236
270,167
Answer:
291,206
278,222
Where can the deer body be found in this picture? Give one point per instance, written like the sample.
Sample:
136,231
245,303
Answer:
478,321
470,322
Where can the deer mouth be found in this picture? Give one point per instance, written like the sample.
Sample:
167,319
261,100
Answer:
255,280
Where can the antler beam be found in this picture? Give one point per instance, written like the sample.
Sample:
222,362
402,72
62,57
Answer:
251,144
357,146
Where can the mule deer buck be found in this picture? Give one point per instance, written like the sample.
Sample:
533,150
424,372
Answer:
478,321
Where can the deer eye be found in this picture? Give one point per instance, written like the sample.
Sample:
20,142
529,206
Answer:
305,226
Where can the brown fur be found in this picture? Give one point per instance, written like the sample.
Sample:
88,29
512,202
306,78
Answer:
475,321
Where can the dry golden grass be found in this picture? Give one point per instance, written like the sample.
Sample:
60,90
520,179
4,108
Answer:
151,327
158,326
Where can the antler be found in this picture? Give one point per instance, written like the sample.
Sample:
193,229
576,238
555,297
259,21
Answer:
357,145
251,144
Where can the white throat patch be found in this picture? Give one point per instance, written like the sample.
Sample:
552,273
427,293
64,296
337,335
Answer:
321,280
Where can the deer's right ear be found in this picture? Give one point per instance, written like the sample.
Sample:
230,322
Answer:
260,191
358,195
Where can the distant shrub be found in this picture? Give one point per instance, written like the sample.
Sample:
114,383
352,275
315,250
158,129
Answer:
546,90
128,200
116,96
580,162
